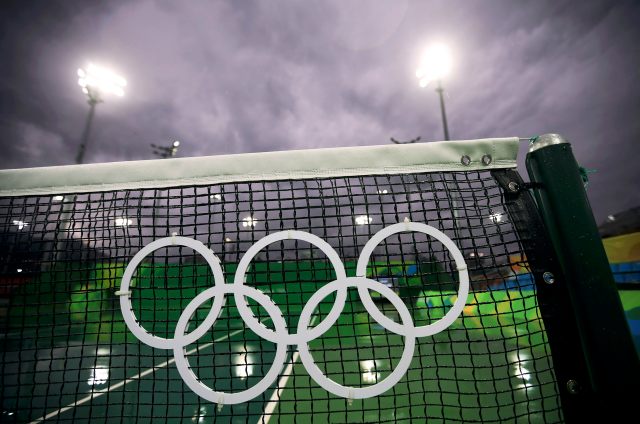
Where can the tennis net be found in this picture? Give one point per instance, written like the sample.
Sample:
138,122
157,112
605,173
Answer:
353,309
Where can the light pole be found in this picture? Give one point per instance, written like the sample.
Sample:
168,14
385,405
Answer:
95,82
93,100
440,90
435,65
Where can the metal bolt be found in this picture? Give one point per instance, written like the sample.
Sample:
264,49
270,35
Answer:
465,160
513,187
573,387
548,278
486,159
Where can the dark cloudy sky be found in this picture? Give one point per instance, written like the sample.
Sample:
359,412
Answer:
247,76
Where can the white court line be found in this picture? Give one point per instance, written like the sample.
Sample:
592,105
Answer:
282,383
99,393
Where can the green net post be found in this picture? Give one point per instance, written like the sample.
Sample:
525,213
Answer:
604,333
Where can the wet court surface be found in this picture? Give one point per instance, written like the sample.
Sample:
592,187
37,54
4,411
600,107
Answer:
491,365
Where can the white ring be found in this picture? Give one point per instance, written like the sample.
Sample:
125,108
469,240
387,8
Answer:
125,299
357,392
297,338
304,335
461,265
179,349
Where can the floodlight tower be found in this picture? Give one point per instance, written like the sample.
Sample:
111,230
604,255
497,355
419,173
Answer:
96,82
435,65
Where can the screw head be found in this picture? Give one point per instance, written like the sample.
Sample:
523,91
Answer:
513,186
548,278
465,160
573,387
486,159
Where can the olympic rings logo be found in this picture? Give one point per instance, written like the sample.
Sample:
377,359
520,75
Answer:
280,336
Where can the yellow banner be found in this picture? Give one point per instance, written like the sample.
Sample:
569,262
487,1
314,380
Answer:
624,248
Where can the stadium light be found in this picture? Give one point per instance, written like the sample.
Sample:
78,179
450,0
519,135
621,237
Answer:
369,373
165,152
363,219
519,359
20,224
96,82
249,221
434,66
123,222
99,375
243,364
495,217
99,81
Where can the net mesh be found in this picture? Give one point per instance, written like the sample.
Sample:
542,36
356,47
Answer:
67,354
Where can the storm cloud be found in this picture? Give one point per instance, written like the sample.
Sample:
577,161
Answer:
236,77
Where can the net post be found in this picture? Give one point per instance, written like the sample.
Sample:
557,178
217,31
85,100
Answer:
608,349
552,296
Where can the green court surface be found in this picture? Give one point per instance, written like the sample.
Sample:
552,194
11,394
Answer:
68,356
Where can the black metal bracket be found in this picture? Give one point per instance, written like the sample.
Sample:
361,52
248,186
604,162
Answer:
553,298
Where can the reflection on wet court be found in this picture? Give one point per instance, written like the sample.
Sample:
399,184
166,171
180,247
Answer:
73,359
